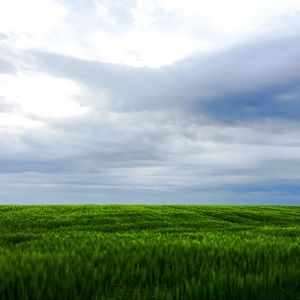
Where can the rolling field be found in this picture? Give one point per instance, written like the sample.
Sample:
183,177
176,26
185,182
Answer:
149,252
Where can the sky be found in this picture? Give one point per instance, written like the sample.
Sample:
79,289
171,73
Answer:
150,101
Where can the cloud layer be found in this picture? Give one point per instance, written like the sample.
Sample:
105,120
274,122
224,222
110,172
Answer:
150,102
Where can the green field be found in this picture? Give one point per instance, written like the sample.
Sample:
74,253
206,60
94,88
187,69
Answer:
149,252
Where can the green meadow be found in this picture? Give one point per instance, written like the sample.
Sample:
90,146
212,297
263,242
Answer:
149,252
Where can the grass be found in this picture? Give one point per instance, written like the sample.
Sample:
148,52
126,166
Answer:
149,252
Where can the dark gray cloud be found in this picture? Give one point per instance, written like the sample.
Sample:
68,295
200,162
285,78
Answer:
106,157
241,82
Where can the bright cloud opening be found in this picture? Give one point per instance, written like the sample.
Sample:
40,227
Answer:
30,16
42,95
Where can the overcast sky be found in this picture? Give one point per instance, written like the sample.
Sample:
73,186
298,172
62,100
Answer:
150,101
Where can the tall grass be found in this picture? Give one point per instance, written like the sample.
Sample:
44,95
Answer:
149,252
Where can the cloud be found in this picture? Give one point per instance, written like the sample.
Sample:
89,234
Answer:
33,17
110,152
27,93
96,104
6,55
243,82
138,33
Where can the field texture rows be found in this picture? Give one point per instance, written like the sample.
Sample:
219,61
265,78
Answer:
149,252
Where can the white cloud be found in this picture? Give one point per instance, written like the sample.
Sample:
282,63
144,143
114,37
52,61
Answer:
16,122
41,95
31,16
235,16
137,34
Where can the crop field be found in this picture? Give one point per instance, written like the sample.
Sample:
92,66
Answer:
149,252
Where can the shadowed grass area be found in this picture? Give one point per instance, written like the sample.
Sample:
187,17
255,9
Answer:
149,252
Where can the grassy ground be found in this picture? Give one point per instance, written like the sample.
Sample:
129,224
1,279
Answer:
149,252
